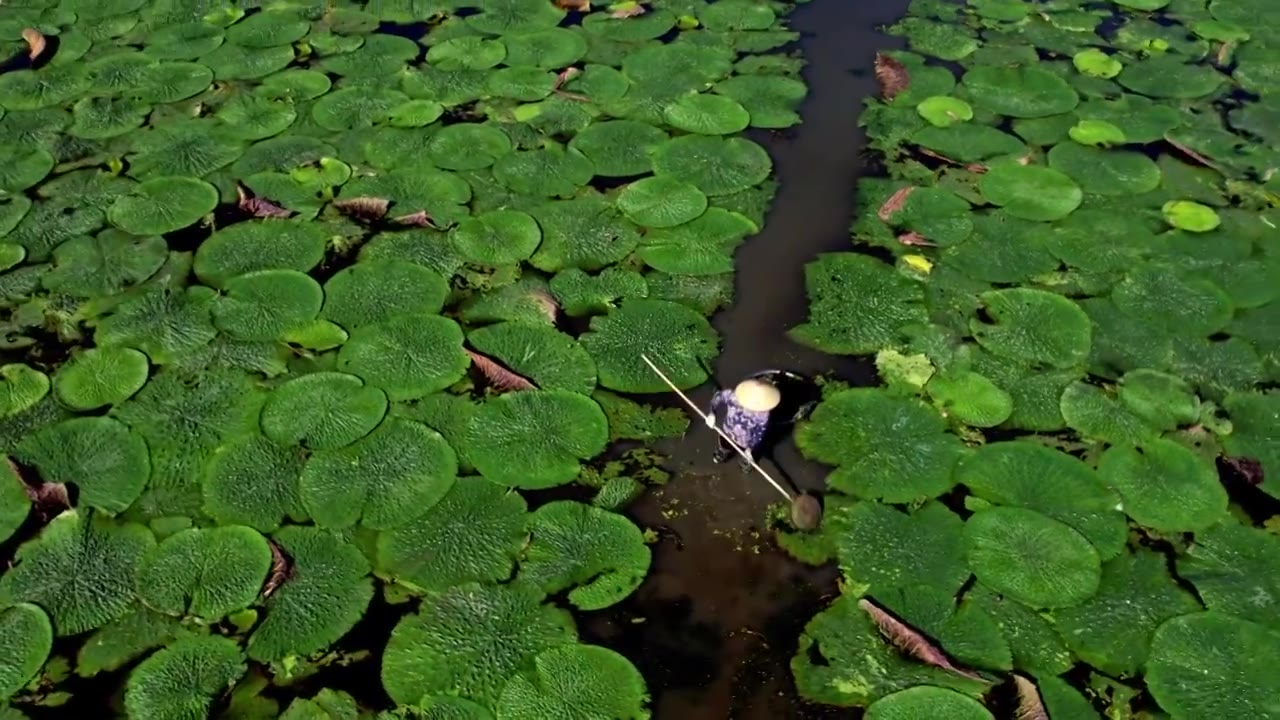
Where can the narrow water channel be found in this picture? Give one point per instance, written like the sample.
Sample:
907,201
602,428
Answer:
715,624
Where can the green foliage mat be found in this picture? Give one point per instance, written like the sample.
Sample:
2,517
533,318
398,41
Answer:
298,301
1070,297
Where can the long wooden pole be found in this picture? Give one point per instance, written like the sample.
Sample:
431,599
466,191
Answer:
698,411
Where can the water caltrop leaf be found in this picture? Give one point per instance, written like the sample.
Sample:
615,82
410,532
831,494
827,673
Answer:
1165,485
548,357
863,323
100,376
15,505
265,304
408,356
322,410
253,481
497,238
1233,568
123,640
1031,192
472,534
970,398
1190,216
163,204
1020,92
21,387
208,573
1207,664
80,569
469,640
374,290
1034,326
259,245
925,701
182,680
678,339
99,455
875,543
576,682
661,202
381,480
598,553
1031,557
26,637
715,165
325,594
535,439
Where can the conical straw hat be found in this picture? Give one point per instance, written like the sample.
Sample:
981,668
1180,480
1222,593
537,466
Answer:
757,396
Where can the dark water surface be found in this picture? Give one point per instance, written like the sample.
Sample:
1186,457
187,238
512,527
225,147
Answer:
714,625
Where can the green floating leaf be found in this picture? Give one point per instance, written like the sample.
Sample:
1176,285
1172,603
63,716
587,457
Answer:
886,447
265,304
14,503
1164,401
619,148
1166,75
548,357
1211,665
1190,216
468,146
165,324
535,439
497,238
707,115
122,641
703,246
408,356
944,110
598,553
163,204
1094,413
1034,326
1112,630
102,457
925,701
322,411
184,679
1233,568
104,264
259,245
676,338
1165,485
549,49
970,398
581,294
716,166
382,480
1031,557
253,481
208,573
100,376
1184,305
1031,192
1020,92
327,592
79,569
21,387
1036,647
373,291
661,202
1032,476
469,640
1097,63
770,101
588,233
843,660
1097,133
1106,172
472,534
26,637
1255,418
547,171
576,682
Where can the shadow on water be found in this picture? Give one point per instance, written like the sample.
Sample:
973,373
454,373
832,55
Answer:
715,624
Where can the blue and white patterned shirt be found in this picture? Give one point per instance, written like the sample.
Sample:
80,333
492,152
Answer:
746,427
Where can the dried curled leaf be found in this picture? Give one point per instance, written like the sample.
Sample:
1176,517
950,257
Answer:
895,202
498,375
258,207
1189,152
48,498
367,209
1030,706
627,9
422,218
1247,469
579,5
549,306
281,569
35,42
909,640
914,239
565,76
892,76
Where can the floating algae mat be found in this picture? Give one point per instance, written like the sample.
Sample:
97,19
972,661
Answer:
1063,500
299,303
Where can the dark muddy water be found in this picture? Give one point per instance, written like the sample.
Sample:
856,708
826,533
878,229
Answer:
715,624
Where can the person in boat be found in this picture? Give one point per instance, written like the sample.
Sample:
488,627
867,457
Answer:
758,410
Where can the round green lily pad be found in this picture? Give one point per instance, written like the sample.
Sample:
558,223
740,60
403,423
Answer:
497,238
707,114
535,439
374,290
101,456
469,52
322,410
944,110
100,376
548,171
467,146
661,202
1166,75
673,336
1031,192
1190,216
259,245
716,166
600,554
970,398
21,386
1020,92
1208,664
208,573
619,148
1096,132
927,701
184,678
1165,485
1182,305
1106,172
265,304
26,637
408,356
1097,63
563,679
1031,557
550,49
1034,326
163,204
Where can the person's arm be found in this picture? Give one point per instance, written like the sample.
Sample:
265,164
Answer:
717,402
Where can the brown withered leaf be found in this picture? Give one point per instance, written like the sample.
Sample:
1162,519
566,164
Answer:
910,641
914,239
565,76
35,42
976,168
895,202
937,156
1030,706
1248,469
281,570
892,76
498,375
422,218
1223,57
47,498
367,209
1190,153
579,5
258,207
628,9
